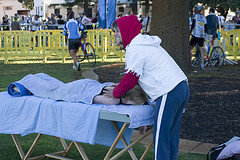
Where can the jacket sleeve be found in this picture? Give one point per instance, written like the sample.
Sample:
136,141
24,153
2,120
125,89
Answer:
128,81
65,29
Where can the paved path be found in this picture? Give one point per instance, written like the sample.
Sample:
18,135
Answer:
185,146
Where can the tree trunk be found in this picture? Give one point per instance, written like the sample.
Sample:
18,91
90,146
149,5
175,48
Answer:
170,22
146,6
86,7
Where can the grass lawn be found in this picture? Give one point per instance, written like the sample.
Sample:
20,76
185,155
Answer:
13,72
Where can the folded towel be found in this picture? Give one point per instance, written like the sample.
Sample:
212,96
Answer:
43,85
17,89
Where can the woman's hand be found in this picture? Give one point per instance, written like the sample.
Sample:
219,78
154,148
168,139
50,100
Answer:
143,129
113,85
108,92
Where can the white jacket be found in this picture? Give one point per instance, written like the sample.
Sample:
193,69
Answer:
158,72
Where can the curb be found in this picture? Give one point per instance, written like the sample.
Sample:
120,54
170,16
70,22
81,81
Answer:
90,74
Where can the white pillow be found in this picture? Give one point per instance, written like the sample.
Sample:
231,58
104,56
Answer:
230,150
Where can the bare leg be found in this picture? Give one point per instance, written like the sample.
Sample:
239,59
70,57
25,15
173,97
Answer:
191,47
73,53
202,56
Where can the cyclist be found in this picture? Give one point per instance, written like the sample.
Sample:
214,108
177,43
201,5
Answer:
72,26
198,27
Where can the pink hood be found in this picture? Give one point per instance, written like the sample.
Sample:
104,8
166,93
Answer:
129,27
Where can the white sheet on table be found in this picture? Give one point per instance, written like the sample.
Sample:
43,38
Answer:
72,121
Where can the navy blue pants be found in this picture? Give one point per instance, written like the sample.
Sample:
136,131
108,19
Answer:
167,122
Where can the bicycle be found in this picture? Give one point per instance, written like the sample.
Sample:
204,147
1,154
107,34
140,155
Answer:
215,59
88,51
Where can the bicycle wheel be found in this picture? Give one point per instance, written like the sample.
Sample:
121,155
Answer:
81,55
90,53
217,58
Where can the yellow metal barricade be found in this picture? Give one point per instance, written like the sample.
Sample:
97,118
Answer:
47,44
232,43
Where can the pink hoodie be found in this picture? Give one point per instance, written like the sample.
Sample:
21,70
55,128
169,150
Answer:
129,27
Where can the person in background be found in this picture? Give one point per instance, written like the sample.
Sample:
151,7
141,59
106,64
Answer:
51,22
140,18
15,24
212,22
212,26
94,21
229,26
198,30
71,30
238,27
60,22
146,23
120,14
36,23
221,19
78,17
150,66
16,15
22,20
85,20
130,13
236,18
5,23
29,19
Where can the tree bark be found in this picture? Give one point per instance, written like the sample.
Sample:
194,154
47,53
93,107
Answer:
170,22
86,7
146,6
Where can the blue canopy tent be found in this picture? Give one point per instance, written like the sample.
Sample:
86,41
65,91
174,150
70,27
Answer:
106,17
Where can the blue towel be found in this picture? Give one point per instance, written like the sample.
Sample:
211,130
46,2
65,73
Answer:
17,89
43,85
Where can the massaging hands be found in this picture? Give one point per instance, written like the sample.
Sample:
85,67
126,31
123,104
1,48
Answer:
108,91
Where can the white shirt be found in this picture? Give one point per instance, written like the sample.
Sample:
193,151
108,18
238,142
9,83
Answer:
85,20
158,72
221,19
36,25
200,21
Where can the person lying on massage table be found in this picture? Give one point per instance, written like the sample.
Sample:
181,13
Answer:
84,90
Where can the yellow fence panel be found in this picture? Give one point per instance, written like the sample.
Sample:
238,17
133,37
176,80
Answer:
47,44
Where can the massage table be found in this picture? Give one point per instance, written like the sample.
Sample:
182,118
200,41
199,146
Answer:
37,110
